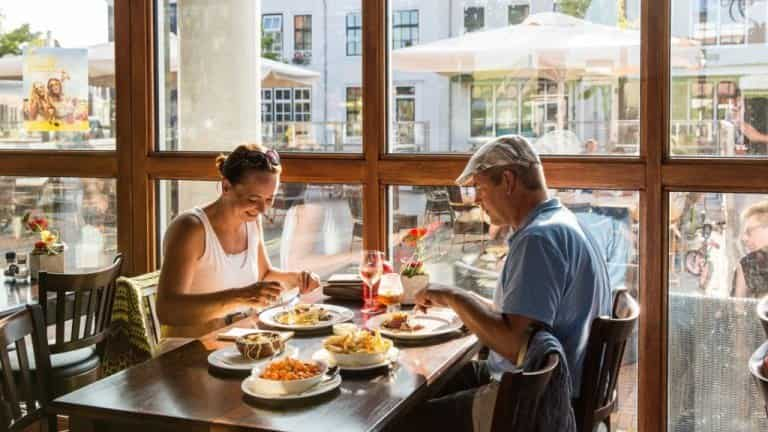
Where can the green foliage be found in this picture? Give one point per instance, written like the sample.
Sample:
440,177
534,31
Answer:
11,42
266,47
576,8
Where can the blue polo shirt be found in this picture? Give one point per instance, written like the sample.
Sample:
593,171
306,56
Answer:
554,274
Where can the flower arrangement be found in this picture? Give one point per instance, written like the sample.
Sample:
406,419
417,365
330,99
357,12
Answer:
414,266
49,243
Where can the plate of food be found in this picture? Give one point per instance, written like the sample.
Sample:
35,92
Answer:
305,316
290,378
359,349
251,350
412,325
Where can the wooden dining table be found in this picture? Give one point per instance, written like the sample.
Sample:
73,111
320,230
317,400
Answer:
179,391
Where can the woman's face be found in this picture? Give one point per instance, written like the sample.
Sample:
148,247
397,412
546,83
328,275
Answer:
253,196
755,234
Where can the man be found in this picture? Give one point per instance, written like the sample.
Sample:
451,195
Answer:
554,276
751,275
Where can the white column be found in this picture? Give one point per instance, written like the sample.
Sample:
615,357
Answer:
219,73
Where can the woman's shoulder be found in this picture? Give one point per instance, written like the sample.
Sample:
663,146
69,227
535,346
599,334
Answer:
185,228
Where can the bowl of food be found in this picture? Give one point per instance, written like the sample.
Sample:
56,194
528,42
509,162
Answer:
259,345
358,348
287,376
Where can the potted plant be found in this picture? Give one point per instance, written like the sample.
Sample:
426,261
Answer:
412,274
47,253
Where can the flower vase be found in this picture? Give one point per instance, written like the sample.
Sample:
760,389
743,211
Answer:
412,285
45,262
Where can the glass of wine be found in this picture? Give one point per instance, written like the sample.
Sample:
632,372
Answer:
390,292
371,268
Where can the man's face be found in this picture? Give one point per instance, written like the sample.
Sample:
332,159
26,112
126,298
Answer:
755,233
492,197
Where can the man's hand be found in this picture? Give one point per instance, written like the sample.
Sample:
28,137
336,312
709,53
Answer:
435,295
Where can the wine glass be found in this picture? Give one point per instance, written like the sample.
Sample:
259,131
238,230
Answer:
371,268
390,291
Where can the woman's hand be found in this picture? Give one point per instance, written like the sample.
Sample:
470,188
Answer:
264,293
307,282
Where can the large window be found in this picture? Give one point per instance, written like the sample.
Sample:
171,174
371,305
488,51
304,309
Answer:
317,227
57,76
714,52
405,28
354,34
718,270
216,80
568,99
463,249
82,212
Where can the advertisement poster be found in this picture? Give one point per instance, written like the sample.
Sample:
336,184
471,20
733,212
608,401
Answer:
55,90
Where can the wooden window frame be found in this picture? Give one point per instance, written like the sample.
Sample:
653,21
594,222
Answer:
137,166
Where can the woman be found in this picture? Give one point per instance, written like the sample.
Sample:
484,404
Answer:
751,275
215,262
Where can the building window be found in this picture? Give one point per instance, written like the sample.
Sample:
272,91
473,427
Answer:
405,28
405,115
267,109
283,105
354,34
302,104
474,19
495,109
724,23
481,114
302,35
173,18
272,35
354,112
516,14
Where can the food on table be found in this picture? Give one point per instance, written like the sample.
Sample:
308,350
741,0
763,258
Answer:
304,315
400,321
290,369
255,346
344,328
359,341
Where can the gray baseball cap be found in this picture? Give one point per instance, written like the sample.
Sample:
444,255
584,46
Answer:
501,151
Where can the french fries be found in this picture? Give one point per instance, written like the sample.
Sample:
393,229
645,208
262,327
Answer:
360,341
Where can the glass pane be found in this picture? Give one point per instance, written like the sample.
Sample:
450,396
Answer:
311,226
719,100
81,212
226,78
463,250
718,270
57,76
578,97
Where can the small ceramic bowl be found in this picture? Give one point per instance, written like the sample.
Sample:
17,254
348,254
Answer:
259,345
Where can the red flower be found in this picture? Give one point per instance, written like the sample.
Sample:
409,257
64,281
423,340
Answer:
41,245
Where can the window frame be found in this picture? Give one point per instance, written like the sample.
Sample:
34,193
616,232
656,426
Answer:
137,165
354,48
304,33
514,6
413,28
479,11
277,44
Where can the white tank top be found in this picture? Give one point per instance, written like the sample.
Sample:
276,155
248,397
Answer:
217,270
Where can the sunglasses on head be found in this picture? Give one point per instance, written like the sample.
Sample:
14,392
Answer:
270,157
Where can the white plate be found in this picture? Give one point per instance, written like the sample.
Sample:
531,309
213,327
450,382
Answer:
435,324
338,315
324,356
322,387
229,358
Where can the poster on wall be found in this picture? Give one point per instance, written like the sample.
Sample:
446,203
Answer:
55,90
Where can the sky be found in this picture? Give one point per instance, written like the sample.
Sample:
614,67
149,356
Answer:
74,23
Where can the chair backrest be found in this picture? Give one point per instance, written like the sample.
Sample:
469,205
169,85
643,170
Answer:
518,398
93,295
756,368
24,398
605,350
762,313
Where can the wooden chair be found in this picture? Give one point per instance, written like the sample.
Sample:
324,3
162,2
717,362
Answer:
25,394
518,399
762,313
81,325
605,351
759,373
